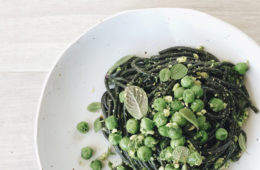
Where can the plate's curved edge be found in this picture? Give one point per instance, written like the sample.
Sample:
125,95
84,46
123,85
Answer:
105,20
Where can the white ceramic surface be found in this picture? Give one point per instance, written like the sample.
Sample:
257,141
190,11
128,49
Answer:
77,78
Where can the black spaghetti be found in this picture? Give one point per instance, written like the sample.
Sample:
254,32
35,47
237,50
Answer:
213,144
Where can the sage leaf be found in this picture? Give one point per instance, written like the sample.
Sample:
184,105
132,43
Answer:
189,116
164,75
119,63
180,154
136,101
94,107
242,142
178,71
97,125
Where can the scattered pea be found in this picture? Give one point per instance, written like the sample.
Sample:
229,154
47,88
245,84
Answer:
159,104
174,132
197,105
221,134
197,90
170,167
241,68
177,118
86,153
111,122
166,154
114,138
124,142
188,96
147,124
83,127
202,136
122,96
120,167
216,104
159,119
195,159
144,153
132,126
187,81
176,105
203,124
164,143
163,131
96,165
164,75
150,141
178,92
177,142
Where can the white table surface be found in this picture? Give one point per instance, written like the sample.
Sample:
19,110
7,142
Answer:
34,32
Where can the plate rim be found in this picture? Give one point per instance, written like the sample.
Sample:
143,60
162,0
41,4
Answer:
63,52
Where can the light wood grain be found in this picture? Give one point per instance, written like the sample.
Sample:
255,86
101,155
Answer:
34,32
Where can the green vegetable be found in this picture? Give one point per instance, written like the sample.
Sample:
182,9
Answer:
178,92
187,81
216,104
120,167
195,159
122,96
170,167
136,101
132,126
178,142
83,127
164,75
178,71
180,154
119,63
164,143
159,104
147,124
203,124
111,122
241,68
221,134
159,119
174,132
114,138
124,142
197,90
176,105
94,107
177,118
197,105
189,116
202,136
144,153
86,153
150,141
188,96
97,125
96,165
163,131
242,142
166,154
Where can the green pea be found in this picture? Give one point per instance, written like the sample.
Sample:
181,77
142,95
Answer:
202,136
164,75
174,132
86,153
144,153
150,141
197,105
164,143
178,92
170,167
159,119
83,127
159,104
241,68
195,159
132,126
216,104
187,81
197,90
221,134
178,142
163,131
203,124
114,138
124,142
188,96
122,96
96,165
166,154
147,124
176,105
111,122
120,167
177,118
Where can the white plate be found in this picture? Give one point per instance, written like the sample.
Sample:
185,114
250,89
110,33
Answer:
77,78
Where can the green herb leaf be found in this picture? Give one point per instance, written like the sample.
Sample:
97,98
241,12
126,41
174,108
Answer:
242,142
119,63
94,107
180,154
97,125
136,101
190,116
178,71
164,75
